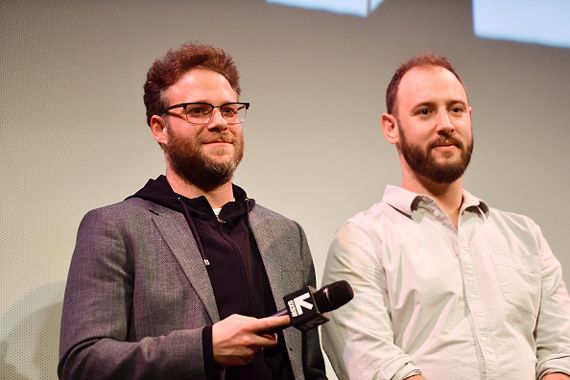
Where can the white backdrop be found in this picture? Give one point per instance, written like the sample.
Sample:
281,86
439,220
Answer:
74,135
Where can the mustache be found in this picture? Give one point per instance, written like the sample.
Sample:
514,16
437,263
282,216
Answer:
446,140
218,138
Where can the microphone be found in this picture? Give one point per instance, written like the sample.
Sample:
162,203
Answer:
306,306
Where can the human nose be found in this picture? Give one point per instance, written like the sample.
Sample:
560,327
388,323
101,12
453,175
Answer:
444,123
217,121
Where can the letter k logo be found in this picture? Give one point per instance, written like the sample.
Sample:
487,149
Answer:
301,303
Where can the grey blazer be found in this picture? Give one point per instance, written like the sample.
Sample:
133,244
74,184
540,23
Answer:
138,294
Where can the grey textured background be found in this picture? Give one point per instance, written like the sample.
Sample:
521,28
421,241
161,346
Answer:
74,135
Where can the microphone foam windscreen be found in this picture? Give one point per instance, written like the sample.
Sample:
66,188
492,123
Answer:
333,296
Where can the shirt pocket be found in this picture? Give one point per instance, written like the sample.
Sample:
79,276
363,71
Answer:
519,278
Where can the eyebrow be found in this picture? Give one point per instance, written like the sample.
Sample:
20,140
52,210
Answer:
432,103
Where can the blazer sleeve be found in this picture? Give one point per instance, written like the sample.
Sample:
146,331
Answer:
95,342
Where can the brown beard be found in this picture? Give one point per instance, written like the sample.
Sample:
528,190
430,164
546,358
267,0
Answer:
423,163
188,161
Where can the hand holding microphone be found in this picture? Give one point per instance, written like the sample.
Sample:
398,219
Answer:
306,306
237,338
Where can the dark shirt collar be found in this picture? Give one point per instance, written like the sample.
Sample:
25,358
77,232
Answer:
159,191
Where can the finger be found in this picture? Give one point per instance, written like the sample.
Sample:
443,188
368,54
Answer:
269,335
269,323
267,340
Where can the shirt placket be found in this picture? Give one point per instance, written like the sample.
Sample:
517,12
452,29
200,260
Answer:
479,316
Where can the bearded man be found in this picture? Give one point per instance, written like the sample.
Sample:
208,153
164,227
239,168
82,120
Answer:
445,286
175,281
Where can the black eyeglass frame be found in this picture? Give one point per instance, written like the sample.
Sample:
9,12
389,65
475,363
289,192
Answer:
184,105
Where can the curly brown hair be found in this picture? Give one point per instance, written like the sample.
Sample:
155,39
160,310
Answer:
168,70
423,59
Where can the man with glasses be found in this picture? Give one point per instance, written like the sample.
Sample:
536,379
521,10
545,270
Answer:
177,281
445,286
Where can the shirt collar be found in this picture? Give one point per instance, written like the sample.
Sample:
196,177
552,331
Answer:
472,203
406,201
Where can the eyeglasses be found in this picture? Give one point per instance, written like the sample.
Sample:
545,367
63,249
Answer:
201,113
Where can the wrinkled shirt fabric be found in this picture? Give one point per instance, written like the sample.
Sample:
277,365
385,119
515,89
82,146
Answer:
485,301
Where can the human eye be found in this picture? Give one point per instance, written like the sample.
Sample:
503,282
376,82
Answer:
457,109
229,110
423,111
198,109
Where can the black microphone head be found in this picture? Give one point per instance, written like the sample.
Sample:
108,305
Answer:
333,296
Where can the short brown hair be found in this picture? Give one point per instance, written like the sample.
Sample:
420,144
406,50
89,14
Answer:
167,71
424,59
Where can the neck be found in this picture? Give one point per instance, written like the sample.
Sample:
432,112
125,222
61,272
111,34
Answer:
449,196
216,197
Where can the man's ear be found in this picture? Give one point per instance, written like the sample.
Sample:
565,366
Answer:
158,129
389,125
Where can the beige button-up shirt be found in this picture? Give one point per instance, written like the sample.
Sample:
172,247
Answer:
486,301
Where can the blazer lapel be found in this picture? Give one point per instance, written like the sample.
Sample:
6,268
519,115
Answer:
177,235
272,242
284,271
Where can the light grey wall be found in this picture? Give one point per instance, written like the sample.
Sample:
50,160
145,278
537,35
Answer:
74,135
